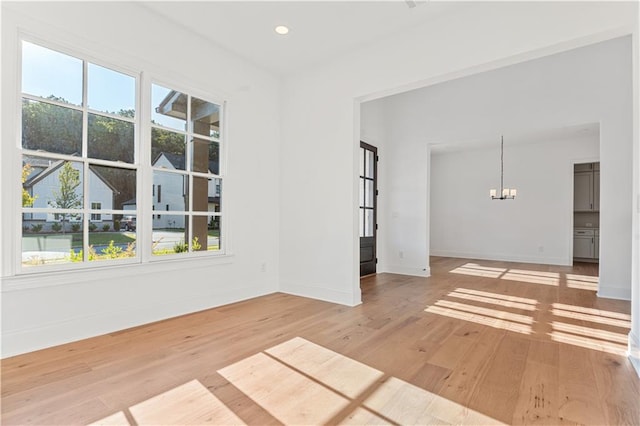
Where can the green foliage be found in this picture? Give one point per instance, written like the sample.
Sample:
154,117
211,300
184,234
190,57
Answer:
112,251
52,128
56,227
66,197
36,228
75,257
195,245
27,199
106,227
92,227
181,247
75,227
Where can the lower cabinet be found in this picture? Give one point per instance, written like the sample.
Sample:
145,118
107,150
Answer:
586,244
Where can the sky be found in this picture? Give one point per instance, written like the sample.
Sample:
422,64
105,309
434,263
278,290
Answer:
46,72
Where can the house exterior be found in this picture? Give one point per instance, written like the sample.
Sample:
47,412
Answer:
170,191
44,181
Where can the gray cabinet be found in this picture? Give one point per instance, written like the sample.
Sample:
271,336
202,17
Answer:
586,187
586,244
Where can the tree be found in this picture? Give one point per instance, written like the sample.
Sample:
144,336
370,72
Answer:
27,199
67,197
58,129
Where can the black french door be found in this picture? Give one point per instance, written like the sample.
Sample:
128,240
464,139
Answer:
367,208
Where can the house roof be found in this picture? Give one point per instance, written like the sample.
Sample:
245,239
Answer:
178,162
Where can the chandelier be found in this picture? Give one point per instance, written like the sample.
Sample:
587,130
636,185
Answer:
505,193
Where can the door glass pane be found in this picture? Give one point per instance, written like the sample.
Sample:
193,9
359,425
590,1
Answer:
50,74
205,118
361,187
110,139
362,154
370,164
369,224
111,91
169,108
167,149
361,214
369,193
51,128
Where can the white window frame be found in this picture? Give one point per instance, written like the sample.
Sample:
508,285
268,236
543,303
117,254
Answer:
191,92
142,145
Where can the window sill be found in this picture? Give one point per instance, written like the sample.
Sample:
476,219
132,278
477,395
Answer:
33,280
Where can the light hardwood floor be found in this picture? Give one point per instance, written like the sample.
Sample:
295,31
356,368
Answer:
478,342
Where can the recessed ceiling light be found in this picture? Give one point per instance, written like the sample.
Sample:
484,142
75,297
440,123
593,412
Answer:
282,30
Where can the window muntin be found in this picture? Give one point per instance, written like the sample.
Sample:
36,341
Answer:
81,118
188,173
78,164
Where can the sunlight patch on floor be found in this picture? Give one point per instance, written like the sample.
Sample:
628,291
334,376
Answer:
593,311
498,296
342,374
492,301
588,343
308,384
476,270
598,319
591,332
576,281
494,313
480,319
533,277
187,404
582,282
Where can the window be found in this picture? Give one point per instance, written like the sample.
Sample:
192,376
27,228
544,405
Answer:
185,153
96,217
80,165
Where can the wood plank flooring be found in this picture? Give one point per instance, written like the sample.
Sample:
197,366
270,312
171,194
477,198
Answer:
479,342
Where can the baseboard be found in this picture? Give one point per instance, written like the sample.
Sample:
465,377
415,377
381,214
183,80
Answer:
634,352
20,341
323,293
503,257
405,270
614,293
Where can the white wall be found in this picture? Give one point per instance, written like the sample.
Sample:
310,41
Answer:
536,227
585,85
634,335
46,309
319,117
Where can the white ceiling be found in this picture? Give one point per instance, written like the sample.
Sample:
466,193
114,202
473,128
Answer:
319,30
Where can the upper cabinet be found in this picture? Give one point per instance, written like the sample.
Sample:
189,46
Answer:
586,187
